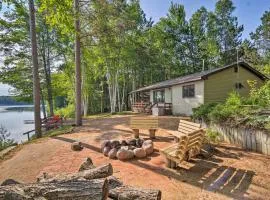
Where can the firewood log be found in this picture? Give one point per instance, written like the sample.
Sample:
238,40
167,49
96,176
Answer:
95,173
133,193
96,189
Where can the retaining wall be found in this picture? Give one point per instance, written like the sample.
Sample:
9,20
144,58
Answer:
254,140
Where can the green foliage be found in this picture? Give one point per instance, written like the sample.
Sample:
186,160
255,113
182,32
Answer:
4,138
203,111
66,112
122,50
62,130
260,96
212,136
261,121
267,126
230,110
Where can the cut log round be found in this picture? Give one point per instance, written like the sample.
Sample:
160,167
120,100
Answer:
132,193
78,190
113,182
76,146
96,173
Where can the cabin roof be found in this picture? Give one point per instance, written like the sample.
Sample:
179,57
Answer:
199,76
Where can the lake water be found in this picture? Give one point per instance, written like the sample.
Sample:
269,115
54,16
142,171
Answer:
12,118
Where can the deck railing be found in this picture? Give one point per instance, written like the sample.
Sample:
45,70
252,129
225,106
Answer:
146,107
140,107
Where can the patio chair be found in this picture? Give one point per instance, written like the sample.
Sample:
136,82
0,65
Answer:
188,141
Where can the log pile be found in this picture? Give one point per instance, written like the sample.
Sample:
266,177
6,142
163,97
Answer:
90,182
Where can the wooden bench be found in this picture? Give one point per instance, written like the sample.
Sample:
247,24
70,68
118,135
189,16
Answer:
146,123
188,141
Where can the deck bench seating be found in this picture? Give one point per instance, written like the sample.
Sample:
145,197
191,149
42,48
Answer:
146,123
188,141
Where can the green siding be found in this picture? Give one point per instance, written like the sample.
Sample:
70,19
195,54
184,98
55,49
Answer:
218,86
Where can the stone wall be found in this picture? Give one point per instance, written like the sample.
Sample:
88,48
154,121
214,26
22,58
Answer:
249,139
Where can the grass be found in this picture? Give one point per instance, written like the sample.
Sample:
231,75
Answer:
62,130
106,115
53,132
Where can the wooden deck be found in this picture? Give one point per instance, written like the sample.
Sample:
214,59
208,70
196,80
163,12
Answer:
146,107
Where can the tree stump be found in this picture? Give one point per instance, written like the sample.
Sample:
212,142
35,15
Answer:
76,146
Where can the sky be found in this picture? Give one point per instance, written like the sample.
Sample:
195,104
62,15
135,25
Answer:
248,12
4,90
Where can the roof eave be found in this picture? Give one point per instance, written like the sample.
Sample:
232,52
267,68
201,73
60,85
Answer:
243,63
167,86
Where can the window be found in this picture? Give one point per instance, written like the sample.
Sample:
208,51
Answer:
188,91
159,96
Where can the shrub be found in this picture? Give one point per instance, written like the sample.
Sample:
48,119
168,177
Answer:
259,121
230,110
4,138
267,125
67,112
261,96
212,136
202,112
220,113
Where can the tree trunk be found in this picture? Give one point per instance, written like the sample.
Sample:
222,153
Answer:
49,82
45,54
78,112
123,96
43,105
95,173
85,92
101,97
96,189
36,83
85,104
132,193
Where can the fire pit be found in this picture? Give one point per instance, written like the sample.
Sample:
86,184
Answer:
127,149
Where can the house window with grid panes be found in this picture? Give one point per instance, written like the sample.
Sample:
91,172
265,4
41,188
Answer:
159,96
189,91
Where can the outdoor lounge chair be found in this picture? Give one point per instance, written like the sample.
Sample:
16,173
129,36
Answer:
188,141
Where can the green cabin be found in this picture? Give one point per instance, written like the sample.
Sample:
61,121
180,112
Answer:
180,95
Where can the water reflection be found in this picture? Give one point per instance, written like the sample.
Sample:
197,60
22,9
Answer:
20,109
12,118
